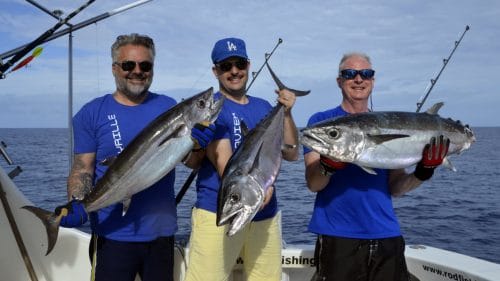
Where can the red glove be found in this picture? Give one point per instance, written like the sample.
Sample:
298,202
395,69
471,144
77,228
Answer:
330,166
432,156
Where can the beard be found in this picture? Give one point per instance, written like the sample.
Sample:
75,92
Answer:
133,91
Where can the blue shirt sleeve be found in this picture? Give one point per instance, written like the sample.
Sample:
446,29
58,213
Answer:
83,131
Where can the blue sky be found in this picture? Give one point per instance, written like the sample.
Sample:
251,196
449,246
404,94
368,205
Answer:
407,41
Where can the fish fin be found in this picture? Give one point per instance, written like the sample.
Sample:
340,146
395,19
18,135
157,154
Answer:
178,132
256,164
447,163
108,161
281,86
244,128
126,204
435,108
368,170
51,223
378,139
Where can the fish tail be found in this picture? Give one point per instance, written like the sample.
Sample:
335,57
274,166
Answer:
282,86
51,223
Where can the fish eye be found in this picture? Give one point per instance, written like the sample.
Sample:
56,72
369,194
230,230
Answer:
334,133
201,104
235,197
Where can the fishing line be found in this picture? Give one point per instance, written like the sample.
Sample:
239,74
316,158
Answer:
98,65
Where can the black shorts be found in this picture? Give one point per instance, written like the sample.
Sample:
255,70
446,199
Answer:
344,259
115,260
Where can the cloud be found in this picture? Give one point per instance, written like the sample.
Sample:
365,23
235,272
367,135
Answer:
407,41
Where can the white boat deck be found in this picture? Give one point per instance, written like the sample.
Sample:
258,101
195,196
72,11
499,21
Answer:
69,259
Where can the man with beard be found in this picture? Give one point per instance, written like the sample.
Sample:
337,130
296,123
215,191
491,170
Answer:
212,254
142,241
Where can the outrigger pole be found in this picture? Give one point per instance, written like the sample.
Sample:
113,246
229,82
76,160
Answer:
77,27
445,62
27,48
194,172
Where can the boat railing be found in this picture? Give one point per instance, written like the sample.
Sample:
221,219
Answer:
17,170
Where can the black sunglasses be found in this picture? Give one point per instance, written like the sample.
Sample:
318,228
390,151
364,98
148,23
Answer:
225,66
352,73
129,65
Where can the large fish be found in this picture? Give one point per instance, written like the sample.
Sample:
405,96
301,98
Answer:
151,155
252,169
389,140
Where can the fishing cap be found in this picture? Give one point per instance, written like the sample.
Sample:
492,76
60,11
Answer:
228,47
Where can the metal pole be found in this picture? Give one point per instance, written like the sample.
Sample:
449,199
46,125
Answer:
70,99
17,235
4,153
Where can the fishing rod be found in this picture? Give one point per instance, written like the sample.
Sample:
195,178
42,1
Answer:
267,56
40,39
194,172
78,26
445,63
55,14
4,153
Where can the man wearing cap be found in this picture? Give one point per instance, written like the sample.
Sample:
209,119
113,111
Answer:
212,253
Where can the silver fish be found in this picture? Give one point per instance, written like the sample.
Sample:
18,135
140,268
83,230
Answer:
252,169
388,140
151,155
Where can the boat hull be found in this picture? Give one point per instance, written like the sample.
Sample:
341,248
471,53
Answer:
69,259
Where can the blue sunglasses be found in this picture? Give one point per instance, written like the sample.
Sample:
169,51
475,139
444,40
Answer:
352,73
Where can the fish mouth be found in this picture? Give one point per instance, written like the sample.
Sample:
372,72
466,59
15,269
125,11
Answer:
228,218
470,133
216,107
240,219
236,217
309,138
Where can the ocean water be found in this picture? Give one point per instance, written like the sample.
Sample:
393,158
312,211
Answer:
453,211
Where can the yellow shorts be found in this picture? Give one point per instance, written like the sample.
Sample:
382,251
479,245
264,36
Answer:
212,255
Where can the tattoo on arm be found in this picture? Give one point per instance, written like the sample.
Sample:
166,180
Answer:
80,179
86,180
79,187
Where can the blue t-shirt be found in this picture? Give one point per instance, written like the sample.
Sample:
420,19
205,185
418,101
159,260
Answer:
354,204
105,127
228,126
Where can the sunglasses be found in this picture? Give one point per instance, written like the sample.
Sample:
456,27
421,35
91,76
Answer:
352,73
129,65
226,66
